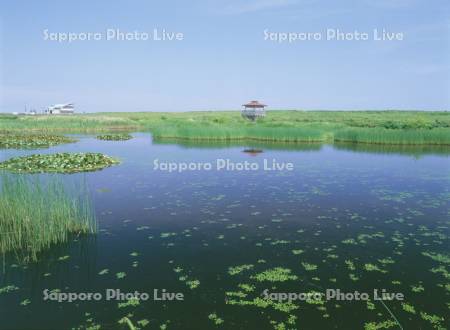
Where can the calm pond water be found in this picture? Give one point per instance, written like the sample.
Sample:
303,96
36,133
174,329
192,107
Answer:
348,218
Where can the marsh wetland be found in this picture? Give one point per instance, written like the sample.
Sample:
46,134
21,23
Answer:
347,217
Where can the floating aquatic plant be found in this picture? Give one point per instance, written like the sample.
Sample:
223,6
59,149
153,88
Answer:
104,271
216,320
127,321
277,274
143,322
238,294
443,258
380,325
442,270
193,284
121,275
58,163
370,305
309,267
247,287
178,270
353,277
350,264
239,269
433,319
408,308
114,137
417,288
32,141
132,302
373,268
8,288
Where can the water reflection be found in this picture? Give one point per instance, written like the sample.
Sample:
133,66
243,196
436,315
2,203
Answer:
60,265
347,217
253,147
246,144
409,150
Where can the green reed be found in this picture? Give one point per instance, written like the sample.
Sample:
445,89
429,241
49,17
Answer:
437,136
36,214
261,133
382,127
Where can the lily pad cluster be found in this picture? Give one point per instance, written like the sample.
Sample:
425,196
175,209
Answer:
31,141
115,137
59,163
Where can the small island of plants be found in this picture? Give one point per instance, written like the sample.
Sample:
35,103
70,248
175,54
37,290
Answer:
31,141
59,163
114,137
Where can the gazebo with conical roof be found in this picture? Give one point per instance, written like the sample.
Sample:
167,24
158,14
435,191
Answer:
253,110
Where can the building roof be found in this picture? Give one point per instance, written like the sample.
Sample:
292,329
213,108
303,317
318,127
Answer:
254,104
63,105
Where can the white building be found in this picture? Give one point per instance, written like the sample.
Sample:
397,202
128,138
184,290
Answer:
61,109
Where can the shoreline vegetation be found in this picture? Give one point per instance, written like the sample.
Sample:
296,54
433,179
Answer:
36,214
369,127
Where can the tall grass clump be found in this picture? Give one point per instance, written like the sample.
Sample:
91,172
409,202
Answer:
36,214
260,133
73,123
438,136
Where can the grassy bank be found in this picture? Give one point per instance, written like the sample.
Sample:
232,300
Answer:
437,136
391,127
378,127
75,123
35,215
260,133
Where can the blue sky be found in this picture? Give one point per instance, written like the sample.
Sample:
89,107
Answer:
223,59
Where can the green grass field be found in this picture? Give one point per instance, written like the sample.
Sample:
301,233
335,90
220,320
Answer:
381,127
